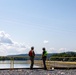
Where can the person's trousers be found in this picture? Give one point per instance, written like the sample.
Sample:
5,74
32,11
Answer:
44,62
32,62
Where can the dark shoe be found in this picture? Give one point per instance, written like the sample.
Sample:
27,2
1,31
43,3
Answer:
45,68
31,68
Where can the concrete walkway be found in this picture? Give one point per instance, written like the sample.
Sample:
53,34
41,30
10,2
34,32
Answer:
38,72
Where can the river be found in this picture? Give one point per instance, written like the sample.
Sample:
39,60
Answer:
15,64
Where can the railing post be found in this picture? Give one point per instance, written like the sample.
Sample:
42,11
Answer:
12,63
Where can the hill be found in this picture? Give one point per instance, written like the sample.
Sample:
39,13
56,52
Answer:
52,56
38,56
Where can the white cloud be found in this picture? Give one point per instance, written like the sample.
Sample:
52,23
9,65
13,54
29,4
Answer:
45,41
62,49
10,47
52,50
55,50
5,38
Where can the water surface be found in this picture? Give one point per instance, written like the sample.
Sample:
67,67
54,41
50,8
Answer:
15,64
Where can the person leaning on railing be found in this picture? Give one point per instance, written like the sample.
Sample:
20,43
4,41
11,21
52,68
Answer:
44,56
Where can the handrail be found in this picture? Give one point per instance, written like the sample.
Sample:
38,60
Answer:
48,62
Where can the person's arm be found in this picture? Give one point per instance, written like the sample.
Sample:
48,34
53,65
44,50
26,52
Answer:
33,53
42,54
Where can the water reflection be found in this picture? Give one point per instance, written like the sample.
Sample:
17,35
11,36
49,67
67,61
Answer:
17,64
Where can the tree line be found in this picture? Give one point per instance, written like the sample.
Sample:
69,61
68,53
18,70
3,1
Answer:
66,56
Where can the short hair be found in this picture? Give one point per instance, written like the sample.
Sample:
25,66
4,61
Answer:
43,48
32,48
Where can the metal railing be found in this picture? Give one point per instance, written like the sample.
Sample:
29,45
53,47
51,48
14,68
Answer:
61,62
49,63
12,60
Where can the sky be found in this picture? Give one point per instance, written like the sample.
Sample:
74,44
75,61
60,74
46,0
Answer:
39,23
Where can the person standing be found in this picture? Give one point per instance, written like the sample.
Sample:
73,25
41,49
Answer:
44,56
32,55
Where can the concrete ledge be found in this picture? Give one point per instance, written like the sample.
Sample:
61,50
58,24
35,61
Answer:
17,68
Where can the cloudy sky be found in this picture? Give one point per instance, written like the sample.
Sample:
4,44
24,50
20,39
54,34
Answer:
39,23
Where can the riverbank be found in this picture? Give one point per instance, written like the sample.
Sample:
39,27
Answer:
55,64
38,72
